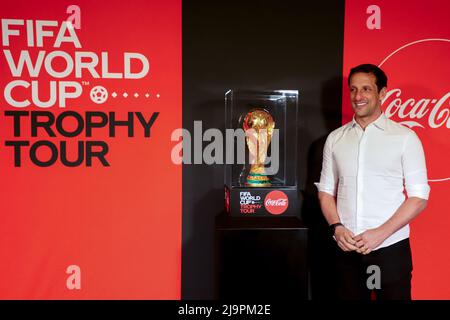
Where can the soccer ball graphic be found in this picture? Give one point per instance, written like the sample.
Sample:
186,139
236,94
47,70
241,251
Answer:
99,94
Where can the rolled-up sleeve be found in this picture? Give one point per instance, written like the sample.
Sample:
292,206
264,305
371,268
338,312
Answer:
328,175
414,168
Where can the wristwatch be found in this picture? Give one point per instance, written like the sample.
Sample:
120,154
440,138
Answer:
332,227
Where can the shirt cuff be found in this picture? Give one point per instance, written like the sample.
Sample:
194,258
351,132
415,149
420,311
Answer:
418,190
324,188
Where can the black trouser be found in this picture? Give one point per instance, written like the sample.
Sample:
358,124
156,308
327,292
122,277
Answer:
395,266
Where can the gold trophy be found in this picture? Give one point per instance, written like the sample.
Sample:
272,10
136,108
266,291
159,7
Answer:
258,125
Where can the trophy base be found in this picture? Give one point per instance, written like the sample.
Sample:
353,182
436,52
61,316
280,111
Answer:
257,180
256,185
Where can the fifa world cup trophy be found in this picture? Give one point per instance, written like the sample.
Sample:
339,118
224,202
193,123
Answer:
258,125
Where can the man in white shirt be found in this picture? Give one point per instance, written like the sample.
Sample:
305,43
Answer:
368,166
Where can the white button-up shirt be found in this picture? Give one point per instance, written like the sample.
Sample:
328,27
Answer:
368,172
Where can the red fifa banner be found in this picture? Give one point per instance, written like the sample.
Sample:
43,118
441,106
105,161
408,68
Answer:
90,199
410,41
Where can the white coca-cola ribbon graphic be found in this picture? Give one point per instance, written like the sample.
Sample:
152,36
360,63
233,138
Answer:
434,108
411,44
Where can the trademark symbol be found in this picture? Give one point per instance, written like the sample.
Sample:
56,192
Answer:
85,83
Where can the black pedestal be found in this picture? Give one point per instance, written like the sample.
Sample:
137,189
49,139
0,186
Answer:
261,258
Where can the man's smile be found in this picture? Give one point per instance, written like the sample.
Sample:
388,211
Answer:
361,104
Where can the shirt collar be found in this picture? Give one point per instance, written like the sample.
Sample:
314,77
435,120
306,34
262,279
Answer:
380,123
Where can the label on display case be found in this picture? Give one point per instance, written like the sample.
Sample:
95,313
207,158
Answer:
240,202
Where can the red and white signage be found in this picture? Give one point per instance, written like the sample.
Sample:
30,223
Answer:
411,43
276,202
91,92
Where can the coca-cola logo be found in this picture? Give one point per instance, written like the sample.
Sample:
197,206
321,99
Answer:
276,202
419,98
435,110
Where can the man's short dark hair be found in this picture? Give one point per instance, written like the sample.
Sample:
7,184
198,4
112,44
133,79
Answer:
381,78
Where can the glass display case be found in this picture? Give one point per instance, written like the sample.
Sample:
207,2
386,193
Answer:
261,152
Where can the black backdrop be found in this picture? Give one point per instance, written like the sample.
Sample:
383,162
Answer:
264,44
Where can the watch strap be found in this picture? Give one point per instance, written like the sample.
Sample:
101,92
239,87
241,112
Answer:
333,227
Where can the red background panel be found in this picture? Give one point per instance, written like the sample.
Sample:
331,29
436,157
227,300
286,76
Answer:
412,47
120,224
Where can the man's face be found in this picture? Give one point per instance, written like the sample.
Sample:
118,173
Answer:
364,95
